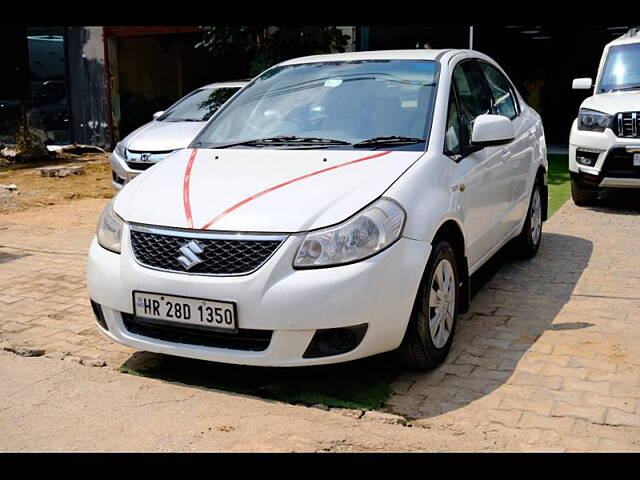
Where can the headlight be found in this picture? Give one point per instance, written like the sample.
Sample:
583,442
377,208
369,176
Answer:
363,235
120,151
109,231
592,120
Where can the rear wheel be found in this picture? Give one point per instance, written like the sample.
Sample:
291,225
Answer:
582,197
526,245
430,331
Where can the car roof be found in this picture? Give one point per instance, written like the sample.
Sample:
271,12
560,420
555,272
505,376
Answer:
414,54
228,84
632,36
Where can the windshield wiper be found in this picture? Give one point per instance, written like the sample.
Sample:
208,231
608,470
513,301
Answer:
284,140
630,87
389,140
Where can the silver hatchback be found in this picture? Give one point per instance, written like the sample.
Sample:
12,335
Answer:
169,130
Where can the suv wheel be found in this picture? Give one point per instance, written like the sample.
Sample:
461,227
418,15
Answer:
429,334
581,196
526,245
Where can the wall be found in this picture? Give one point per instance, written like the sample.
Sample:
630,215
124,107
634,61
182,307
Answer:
88,100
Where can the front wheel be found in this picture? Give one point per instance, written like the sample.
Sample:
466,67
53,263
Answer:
526,245
582,197
430,331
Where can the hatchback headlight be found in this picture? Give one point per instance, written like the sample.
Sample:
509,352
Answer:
592,120
363,235
109,232
120,151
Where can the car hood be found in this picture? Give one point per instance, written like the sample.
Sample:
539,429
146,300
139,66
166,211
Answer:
614,102
162,136
259,190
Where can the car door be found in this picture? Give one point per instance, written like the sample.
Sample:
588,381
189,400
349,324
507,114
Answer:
517,155
478,169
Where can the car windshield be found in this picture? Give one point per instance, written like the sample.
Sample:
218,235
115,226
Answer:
335,104
622,69
199,105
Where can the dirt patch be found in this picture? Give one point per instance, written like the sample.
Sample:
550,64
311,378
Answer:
36,191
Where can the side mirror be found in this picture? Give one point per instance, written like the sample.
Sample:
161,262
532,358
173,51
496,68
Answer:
582,84
157,114
492,130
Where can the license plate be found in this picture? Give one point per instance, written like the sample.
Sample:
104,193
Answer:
192,311
636,159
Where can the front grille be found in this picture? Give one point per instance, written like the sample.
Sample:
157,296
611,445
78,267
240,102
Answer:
243,339
619,164
139,160
222,254
140,165
628,124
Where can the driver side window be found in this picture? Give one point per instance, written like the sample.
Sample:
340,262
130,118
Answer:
452,141
474,97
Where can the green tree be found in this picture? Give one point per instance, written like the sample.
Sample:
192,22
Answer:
268,45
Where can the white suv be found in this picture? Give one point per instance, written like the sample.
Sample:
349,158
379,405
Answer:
604,145
331,210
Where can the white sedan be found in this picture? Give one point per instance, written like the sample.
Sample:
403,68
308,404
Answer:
331,210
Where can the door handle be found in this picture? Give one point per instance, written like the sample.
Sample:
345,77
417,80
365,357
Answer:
506,153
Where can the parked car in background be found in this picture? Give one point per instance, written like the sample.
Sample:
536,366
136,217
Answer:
604,144
333,209
170,130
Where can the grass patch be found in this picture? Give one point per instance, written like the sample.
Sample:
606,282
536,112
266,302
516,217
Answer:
559,181
362,384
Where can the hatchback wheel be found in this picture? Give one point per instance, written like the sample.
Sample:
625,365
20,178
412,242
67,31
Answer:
432,325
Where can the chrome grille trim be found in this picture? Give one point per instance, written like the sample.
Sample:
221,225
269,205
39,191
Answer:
134,158
205,235
211,235
628,125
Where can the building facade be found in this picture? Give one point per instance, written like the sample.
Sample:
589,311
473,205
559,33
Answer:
94,85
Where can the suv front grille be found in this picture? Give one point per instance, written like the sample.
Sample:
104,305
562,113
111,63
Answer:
222,253
628,124
243,339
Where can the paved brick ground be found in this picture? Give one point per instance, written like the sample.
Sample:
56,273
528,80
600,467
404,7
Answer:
548,353
547,358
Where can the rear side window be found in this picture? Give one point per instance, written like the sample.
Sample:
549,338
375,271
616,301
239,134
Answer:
502,96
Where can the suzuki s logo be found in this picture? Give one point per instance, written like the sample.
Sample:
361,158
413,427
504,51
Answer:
189,257
144,157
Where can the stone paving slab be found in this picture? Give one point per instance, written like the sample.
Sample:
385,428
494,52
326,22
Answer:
546,358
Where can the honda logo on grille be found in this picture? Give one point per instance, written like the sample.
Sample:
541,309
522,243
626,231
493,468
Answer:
189,257
144,157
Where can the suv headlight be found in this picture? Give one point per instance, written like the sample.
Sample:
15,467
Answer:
363,235
120,151
109,232
593,120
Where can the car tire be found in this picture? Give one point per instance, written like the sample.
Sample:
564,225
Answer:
526,244
582,197
431,328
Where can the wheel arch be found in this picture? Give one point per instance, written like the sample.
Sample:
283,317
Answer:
451,231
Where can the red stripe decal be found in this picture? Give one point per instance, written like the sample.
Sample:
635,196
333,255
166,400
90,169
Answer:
288,182
185,189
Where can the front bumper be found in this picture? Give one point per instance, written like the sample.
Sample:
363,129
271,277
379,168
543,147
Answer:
613,167
293,304
121,173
